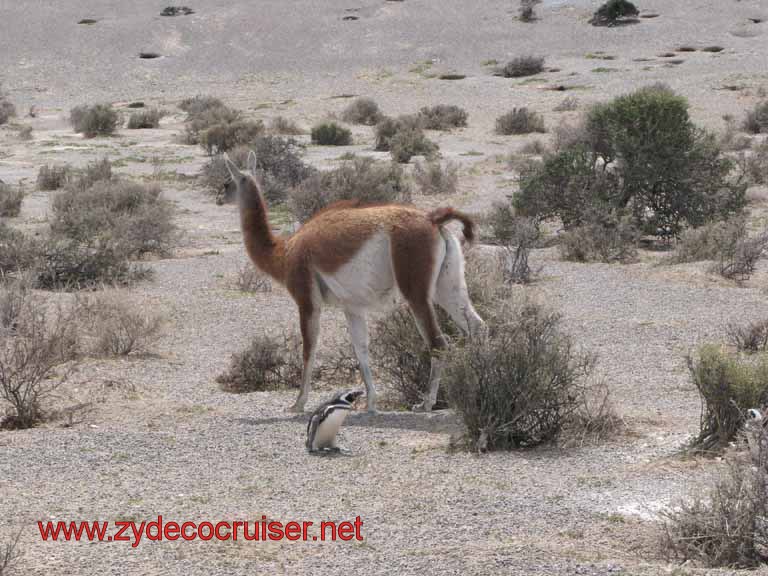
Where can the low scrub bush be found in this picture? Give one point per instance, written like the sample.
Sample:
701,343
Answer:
613,12
519,121
388,127
269,363
96,171
17,250
34,355
752,337
361,179
217,127
604,237
739,261
7,109
518,387
711,241
522,66
725,524
757,164
528,10
362,111
442,117
96,120
145,119
434,178
524,234
729,385
595,419
569,104
117,326
406,144
134,216
251,279
331,134
53,177
218,138
11,198
283,126
198,104
757,119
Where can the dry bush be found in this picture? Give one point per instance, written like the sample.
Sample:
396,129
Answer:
528,11
53,177
604,237
251,279
11,198
757,119
595,418
752,337
223,136
10,552
145,119
361,179
725,526
739,260
709,241
757,164
404,138
269,363
7,109
434,178
13,299
519,121
35,357
24,133
134,216
518,386
533,148
117,326
388,127
17,250
284,126
96,120
442,117
613,12
569,104
96,171
524,234
729,385
522,66
362,111
217,127
331,134
198,104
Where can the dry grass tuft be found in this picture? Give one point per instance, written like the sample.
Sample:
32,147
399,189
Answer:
520,121
434,178
11,198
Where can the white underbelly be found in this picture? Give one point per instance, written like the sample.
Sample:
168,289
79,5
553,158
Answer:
367,281
326,433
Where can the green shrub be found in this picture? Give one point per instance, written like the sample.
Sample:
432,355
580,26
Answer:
604,237
729,385
145,119
134,216
757,119
269,363
613,12
96,120
11,198
331,134
434,178
519,121
361,179
522,66
641,153
517,387
442,117
362,111
52,177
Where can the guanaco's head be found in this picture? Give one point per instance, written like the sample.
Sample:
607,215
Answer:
246,182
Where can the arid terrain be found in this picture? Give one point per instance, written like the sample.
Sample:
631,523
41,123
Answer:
161,438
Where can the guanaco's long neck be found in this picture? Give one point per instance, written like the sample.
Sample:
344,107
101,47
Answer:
265,249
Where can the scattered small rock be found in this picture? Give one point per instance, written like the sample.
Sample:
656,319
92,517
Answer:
177,11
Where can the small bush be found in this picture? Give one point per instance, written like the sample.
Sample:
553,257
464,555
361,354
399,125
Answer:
53,177
442,117
33,357
709,241
17,250
757,164
361,179
388,127
595,419
528,11
96,120
269,363
96,171
331,134
406,144
432,178
284,126
11,198
729,385
533,148
739,261
606,237
7,109
613,12
522,66
145,119
725,526
524,233
569,104
134,216
216,127
13,299
117,326
25,133
757,119
750,338
518,387
224,136
198,104
519,121
362,111
251,279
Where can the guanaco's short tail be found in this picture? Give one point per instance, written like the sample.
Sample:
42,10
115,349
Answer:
443,215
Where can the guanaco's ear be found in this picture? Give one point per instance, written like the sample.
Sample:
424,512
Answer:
234,171
252,164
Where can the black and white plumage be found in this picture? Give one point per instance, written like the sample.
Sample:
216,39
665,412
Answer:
326,420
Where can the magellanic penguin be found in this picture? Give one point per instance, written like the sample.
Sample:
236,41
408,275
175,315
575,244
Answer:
326,420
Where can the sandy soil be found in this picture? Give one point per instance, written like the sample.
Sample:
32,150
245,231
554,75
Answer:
163,439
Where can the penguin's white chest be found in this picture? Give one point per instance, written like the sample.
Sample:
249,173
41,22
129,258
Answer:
325,437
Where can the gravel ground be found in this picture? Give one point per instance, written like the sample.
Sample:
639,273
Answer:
162,439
